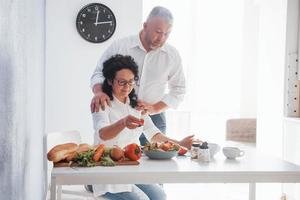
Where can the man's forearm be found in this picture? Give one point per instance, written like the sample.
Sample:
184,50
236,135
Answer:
160,107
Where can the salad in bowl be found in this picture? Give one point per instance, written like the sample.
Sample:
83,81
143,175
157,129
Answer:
164,150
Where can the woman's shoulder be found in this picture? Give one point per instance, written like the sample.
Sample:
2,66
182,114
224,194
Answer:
106,110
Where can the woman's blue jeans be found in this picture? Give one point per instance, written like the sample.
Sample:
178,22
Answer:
139,192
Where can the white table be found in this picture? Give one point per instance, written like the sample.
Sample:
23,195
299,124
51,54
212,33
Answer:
252,168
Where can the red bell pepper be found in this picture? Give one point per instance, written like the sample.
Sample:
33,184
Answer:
133,152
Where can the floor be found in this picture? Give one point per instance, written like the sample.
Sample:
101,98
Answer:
198,191
207,191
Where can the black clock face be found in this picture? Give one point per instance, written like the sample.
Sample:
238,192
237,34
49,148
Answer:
96,23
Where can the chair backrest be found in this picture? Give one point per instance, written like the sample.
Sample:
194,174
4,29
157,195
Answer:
241,130
60,137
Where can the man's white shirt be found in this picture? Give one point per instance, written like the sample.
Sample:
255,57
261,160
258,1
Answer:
160,71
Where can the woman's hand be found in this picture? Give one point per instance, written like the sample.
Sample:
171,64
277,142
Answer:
132,122
187,141
100,99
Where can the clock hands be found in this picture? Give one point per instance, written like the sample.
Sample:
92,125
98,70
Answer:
107,22
96,23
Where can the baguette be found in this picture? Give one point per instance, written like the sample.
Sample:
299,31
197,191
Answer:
61,151
71,156
81,148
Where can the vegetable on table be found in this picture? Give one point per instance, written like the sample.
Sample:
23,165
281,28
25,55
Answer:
133,152
85,159
182,151
162,146
107,161
117,154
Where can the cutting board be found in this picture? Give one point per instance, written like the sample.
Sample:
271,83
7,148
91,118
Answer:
124,162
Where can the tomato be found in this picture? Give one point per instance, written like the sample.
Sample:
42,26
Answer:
165,146
182,151
142,121
133,152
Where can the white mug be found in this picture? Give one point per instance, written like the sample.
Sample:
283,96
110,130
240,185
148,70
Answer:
232,152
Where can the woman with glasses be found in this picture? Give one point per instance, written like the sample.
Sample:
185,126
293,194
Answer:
120,124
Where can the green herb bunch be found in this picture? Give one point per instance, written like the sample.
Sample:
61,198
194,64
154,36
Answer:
107,161
85,159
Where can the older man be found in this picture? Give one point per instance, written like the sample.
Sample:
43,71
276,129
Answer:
162,83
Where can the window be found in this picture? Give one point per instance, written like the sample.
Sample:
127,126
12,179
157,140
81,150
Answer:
217,41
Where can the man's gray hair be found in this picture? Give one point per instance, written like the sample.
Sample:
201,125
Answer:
162,12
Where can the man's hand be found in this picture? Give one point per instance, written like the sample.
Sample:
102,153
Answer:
132,122
99,100
148,108
187,141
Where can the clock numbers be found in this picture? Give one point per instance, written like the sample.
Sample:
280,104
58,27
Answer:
83,15
96,8
89,10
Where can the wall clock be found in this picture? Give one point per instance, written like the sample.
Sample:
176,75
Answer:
95,23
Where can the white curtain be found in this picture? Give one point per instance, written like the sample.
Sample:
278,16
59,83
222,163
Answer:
216,40
22,160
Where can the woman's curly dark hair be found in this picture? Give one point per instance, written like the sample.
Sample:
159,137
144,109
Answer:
110,69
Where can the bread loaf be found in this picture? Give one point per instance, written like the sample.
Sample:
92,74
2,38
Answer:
61,151
82,148
71,156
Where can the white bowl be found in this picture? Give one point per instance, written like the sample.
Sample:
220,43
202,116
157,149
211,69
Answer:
160,155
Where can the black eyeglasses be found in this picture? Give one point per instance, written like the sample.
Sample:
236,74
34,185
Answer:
124,82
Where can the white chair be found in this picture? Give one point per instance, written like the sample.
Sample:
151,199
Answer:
60,137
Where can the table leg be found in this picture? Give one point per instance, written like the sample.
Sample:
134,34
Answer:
59,189
252,190
53,189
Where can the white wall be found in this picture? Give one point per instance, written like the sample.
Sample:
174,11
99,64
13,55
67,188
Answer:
70,61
